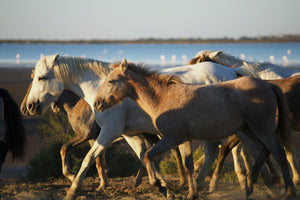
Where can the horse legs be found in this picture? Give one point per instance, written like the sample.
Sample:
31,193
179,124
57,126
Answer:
198,164
231,142
64,157
187,160
264,153
211,151
165,144
101,166
273,146
140,174
140,144
238,167
182,177
245,151
106,137
292,159
278,152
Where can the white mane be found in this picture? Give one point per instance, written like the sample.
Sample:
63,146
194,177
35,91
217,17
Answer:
68,69
263,70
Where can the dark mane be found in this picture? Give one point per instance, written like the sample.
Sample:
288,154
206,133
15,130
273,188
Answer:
146,71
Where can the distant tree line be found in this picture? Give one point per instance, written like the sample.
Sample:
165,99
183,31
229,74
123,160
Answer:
244,39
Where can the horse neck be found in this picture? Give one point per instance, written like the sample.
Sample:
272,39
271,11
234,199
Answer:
147,92
89,80
87,87
67,101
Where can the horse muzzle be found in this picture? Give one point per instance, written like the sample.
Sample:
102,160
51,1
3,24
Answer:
24,110
34,108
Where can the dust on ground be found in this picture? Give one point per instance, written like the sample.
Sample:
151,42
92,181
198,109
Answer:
123,189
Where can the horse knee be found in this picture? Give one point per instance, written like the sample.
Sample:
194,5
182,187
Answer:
63,150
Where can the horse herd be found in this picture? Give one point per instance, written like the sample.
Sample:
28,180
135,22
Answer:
206,100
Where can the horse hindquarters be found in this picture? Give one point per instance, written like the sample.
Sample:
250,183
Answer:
264,132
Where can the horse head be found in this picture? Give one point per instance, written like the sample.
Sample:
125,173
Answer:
45,86
114,89
204,56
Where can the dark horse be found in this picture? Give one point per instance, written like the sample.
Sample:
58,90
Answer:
291,89
14,137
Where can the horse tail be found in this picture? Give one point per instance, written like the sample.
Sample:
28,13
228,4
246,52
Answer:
14,128
283,130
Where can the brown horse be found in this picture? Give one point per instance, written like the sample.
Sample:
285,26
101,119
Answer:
14,137
291,89
82,121
181,112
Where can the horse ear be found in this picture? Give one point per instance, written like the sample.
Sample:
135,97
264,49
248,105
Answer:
32,73
123,65
53,59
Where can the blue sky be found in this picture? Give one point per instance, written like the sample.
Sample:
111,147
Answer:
134,19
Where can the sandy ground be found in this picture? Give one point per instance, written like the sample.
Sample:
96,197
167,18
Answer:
123,188
16,80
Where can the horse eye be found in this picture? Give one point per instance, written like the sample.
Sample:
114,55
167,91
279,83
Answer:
111,81
42,78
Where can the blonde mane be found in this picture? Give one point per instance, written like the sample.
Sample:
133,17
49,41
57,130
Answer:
165,79
68,69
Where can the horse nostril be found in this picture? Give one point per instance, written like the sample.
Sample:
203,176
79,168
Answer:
96,103
30,106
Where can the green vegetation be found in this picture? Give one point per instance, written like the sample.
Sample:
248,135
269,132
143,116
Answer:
121,162
169,165
55,129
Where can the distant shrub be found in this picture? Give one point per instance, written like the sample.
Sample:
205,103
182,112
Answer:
55,127
169,165
56,131
46,164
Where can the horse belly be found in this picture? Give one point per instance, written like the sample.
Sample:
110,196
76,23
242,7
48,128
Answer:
214,128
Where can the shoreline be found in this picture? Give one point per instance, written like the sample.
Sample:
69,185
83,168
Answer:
243,39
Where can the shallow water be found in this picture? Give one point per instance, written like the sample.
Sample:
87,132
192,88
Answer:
286,54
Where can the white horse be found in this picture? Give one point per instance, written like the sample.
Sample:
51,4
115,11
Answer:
84,77
266,71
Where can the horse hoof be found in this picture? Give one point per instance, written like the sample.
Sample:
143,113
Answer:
249,191
289,194
212,188
70,195
100,187
170,196
297,183
163,191
190,196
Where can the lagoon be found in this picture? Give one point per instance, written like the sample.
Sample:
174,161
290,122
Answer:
285,54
